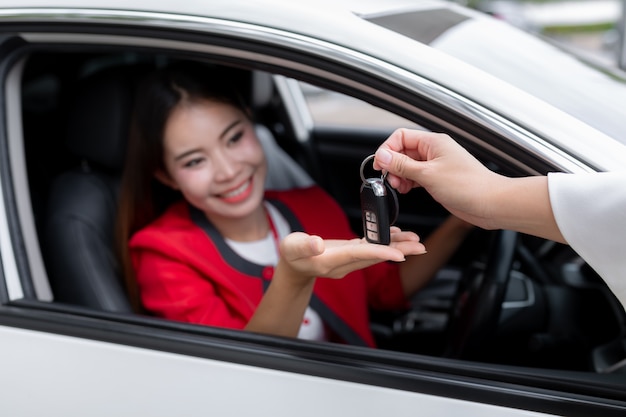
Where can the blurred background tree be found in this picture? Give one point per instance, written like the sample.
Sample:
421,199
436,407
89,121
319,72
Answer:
593,28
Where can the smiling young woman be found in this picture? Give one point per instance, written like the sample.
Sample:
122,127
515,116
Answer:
223,251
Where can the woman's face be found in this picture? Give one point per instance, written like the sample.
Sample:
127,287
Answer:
212,155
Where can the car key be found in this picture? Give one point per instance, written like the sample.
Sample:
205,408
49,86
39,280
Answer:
379,207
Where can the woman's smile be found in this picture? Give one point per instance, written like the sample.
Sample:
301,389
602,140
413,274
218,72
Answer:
238,194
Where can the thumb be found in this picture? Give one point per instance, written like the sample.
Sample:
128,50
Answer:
300,245
398,164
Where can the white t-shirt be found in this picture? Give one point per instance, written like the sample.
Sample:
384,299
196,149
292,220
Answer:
590,210
265,252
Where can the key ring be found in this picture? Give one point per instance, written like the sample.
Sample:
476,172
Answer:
365,161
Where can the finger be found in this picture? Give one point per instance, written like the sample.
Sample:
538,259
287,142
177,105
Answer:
405,237
399,234
349,256
406,242
410,247
363,251
395,142
399,164
300,245
401,185
398,181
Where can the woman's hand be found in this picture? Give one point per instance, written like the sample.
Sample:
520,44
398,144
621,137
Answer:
310,256
304,257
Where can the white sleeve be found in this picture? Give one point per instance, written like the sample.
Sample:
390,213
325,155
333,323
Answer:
590,211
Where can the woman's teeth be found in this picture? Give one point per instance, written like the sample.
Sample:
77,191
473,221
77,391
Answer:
237,191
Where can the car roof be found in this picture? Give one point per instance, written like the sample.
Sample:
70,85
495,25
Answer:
348,24
230,7
318,18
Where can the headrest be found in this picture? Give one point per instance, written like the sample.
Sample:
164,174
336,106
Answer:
261,89
99,118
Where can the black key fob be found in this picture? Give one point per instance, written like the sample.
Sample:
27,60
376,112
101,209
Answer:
379,208
375,211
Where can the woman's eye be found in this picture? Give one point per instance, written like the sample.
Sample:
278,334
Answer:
236,137
193,162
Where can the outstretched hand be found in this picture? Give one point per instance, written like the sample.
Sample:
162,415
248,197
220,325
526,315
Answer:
305,257
310,256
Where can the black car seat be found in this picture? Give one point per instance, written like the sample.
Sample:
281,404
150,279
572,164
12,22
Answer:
80,216
79,231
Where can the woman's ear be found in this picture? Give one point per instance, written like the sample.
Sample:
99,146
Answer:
164,178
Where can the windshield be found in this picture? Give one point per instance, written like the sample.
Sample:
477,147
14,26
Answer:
596,97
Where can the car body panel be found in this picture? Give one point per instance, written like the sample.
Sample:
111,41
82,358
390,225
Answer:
135,381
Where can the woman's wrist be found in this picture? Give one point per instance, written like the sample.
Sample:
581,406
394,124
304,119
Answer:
290,278
281,310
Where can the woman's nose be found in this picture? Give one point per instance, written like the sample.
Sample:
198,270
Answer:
225,167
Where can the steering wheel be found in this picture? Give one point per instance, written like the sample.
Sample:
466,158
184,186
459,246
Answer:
478,304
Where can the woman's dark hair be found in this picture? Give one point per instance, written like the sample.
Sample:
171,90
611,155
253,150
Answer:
142,197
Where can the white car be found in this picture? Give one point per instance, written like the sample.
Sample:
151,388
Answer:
329,81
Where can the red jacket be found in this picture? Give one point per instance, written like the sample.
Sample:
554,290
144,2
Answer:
187,272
